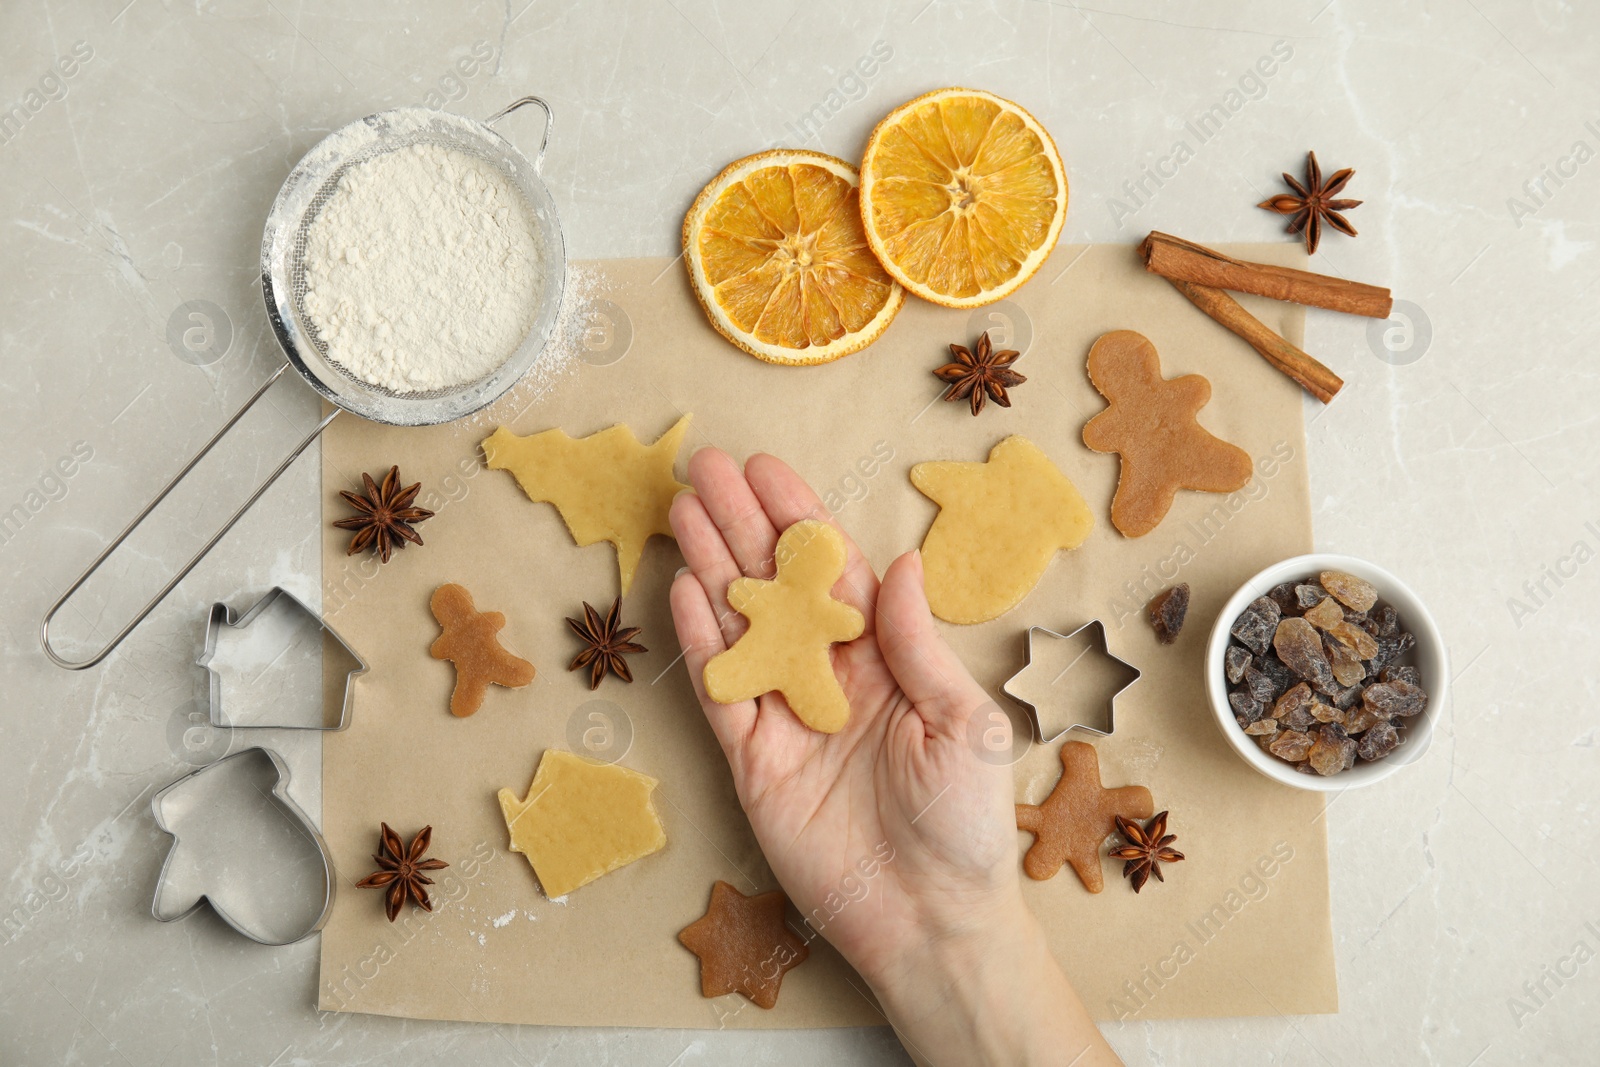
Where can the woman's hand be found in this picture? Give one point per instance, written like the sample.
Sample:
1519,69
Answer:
893,837
897,789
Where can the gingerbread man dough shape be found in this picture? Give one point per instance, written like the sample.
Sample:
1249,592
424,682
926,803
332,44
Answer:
794,621
1151,423
469,642
1077,817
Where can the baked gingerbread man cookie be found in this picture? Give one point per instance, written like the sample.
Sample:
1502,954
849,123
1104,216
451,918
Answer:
469,641
794,622
1077,817
1151,424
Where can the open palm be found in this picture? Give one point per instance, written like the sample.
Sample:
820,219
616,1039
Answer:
892,828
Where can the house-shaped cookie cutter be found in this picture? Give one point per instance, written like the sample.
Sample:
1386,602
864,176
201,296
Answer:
1011,689
222,620
204,792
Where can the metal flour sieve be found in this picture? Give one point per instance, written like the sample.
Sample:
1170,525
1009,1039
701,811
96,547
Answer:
283,284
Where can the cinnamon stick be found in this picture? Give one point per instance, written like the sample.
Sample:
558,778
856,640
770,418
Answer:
1316,379
1178,260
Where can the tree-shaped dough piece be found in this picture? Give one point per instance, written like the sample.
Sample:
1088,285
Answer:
470,643
793,622
1151,424
1077,817
608,486
1000,523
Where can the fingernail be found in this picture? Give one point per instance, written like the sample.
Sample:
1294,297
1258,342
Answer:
681,572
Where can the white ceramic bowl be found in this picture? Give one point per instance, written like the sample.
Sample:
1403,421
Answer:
1429,656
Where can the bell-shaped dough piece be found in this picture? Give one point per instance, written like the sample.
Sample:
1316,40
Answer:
794,621
999,525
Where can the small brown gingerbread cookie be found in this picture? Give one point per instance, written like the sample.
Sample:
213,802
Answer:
744,945
1077,817
469,642
1151,423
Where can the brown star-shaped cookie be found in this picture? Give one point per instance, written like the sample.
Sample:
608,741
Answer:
1077,817
1151,424
744,945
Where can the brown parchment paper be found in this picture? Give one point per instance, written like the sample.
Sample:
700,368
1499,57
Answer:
1241,928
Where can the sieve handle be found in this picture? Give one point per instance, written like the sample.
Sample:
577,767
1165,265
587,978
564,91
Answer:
44,627
549,120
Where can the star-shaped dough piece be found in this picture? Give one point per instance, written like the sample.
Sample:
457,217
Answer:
469,641
1151,424
1077,817
744,945
608,486
581,819
999,525
794,621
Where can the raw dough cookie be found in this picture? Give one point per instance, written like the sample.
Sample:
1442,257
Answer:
999,525
744,945
793,622
581,819
608,486
1151,423
470,643
1077,817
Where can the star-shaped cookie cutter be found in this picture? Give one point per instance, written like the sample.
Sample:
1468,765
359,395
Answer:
1028,692
222,623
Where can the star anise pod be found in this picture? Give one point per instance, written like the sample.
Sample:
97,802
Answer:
1147,849
400,870
1312,203
984,375
385,515
605,641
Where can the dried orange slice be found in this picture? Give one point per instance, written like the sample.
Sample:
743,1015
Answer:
777,257
963,195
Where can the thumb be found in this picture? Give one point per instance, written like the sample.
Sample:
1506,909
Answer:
928,672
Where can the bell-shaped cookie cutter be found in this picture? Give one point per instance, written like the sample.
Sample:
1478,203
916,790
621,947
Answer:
280,797
223,616
1034,633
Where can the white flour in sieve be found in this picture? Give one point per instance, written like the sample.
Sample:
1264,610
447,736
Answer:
423,269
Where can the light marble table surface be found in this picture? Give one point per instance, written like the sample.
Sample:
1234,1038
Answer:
1461,454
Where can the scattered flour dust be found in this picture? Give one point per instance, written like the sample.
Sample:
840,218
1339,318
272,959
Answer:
423,269
502,921
584,284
